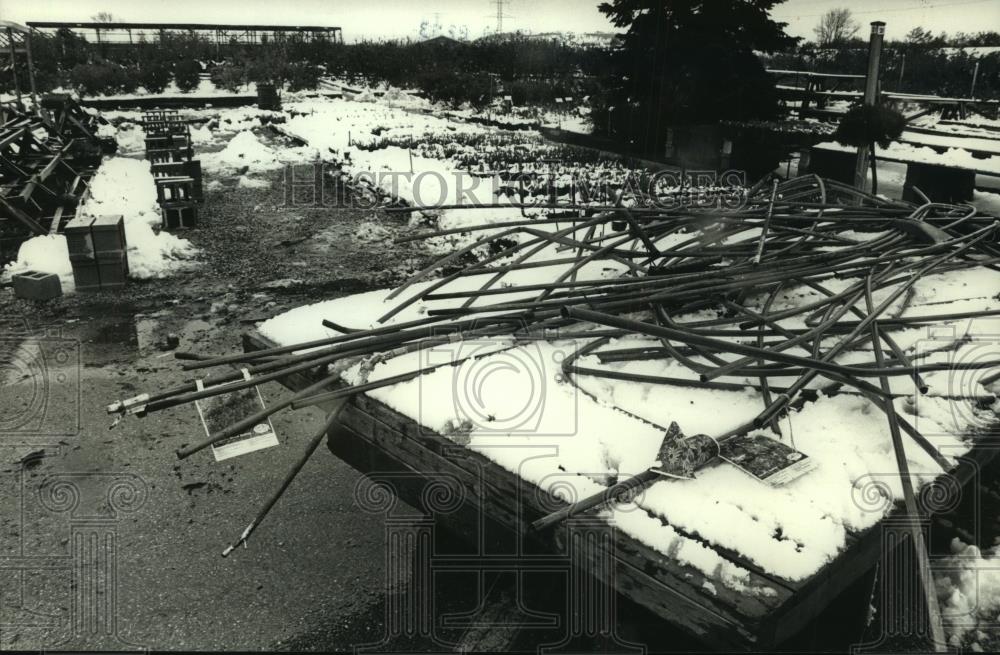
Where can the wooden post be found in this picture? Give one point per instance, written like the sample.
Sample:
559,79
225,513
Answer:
871,96
13,64
31,72
975,74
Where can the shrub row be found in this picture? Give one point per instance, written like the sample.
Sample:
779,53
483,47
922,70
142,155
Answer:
107,78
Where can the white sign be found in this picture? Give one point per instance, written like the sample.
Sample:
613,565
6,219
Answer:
220,411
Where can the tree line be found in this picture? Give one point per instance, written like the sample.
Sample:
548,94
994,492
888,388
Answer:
531,71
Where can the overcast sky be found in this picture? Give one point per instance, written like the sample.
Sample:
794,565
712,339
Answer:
400,18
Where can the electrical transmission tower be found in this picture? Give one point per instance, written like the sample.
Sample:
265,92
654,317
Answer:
500,14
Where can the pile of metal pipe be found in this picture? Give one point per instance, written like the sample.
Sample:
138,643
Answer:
727,266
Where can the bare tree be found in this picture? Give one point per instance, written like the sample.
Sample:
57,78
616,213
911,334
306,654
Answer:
103,17
836,26
919,36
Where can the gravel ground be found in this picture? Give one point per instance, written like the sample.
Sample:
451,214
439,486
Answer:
310,566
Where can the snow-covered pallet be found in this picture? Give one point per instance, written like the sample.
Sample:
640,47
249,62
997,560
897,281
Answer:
392,448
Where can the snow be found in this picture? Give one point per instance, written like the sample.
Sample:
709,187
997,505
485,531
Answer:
131,139
371,231
245,182
986,201
525,417
337,127
961,141
125,186
955,157
202,135
46,253
245,153
968,586
395,97
573,438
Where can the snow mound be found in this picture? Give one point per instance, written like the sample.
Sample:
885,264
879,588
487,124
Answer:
48,254
243,151
131,138
125,186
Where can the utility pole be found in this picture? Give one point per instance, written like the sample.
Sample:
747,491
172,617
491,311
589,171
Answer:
871,96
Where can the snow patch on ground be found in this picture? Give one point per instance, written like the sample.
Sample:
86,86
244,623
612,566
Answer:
244,151
131,139
48,254
371,231
245,182
125,186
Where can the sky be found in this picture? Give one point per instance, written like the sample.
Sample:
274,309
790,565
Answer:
374,19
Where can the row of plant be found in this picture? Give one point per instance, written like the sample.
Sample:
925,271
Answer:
67,60
529,71
526,165
104,77
496,150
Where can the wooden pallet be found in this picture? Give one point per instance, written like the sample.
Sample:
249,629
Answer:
374,439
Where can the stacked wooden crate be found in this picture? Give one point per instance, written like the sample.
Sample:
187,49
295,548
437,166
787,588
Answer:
98,252
177,173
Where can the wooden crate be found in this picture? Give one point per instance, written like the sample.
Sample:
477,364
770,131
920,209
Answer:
167,155
190,169
376,439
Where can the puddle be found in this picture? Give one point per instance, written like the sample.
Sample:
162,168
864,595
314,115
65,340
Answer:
118,331
115,338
